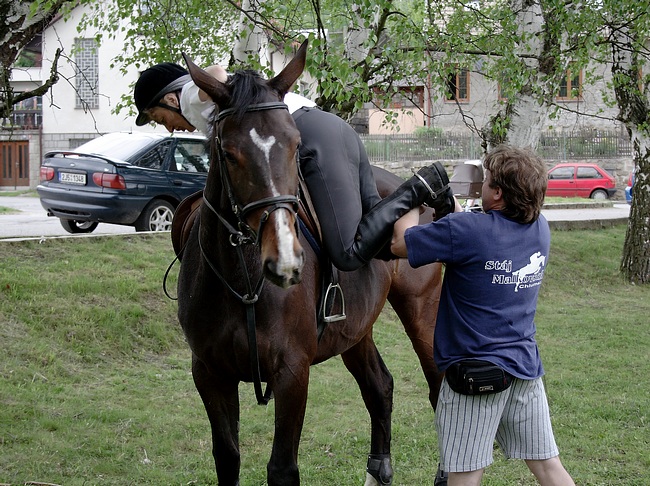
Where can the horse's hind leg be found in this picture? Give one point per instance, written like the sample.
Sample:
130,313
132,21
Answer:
376,385
221,401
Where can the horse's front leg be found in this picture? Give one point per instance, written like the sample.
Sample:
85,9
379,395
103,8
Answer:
221,401
290,386
376,385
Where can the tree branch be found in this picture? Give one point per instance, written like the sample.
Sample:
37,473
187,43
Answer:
44,88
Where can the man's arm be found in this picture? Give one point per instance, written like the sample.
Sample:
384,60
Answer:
410,219
397,243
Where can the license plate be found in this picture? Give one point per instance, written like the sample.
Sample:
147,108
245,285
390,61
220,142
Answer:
72,178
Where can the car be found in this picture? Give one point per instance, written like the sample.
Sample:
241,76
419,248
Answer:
580,180
134,179
628,188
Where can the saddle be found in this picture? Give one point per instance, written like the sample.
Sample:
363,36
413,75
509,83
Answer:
331,305
184,218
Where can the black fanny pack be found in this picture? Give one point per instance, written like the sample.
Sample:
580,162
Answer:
477,377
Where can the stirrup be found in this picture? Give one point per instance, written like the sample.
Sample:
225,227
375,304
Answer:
336,288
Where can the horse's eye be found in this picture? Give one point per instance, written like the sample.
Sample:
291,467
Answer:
230,158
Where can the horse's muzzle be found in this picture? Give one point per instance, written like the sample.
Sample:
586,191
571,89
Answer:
284,274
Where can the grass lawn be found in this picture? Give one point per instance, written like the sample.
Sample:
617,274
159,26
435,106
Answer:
95,384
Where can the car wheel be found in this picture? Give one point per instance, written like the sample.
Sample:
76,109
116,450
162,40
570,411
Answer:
157,216
598,194
74,227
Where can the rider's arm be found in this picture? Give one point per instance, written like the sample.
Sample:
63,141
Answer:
219,73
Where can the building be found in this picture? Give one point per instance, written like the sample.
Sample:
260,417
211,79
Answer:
470,92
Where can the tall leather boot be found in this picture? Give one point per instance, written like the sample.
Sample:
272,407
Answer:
429,186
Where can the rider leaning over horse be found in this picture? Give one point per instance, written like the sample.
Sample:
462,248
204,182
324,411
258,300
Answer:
356,224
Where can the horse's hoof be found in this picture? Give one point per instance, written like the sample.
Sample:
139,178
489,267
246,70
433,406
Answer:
379,470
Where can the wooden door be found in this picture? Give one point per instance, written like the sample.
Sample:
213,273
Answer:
14,164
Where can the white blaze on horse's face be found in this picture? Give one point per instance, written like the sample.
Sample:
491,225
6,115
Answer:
264,144
287,259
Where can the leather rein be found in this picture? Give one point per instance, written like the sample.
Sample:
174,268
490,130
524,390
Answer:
245,235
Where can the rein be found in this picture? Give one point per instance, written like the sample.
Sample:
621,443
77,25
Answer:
245,235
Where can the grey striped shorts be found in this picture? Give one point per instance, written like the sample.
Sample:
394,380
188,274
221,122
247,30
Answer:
517,418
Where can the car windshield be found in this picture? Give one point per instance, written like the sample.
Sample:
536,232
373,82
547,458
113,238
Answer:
121,148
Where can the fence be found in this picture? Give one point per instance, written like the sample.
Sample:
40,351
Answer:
591,144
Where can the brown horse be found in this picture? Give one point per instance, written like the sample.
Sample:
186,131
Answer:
245,234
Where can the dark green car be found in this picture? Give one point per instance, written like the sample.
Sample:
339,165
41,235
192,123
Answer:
133,179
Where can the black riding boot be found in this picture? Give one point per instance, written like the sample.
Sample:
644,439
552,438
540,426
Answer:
429,186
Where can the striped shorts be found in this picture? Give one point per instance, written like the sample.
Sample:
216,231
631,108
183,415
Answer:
517,418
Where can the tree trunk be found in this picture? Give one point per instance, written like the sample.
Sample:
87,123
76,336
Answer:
634,109
521,121
249,41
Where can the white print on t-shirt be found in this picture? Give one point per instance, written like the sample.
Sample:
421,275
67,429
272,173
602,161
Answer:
527,276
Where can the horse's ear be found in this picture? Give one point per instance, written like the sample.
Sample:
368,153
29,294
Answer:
292,71
214,88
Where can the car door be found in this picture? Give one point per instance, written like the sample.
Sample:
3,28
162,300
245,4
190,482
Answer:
188,167
145,176
587,178
561,181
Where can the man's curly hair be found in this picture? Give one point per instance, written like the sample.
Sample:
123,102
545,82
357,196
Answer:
522,177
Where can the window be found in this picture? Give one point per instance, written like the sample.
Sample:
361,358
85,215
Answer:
155,158
561,173
190,157
588,173
87,75
408,98
458,86
571,87
28,113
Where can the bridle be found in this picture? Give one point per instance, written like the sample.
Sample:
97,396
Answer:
243,234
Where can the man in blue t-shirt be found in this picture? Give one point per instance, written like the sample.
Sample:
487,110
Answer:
495,262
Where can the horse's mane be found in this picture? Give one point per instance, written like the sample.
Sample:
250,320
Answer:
247,88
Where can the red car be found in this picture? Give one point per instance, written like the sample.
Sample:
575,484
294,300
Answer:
580,180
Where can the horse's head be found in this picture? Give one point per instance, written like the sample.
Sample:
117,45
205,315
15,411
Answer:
255,153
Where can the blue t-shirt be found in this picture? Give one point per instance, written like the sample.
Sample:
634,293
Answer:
494,269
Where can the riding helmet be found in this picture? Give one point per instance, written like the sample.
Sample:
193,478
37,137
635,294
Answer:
154,83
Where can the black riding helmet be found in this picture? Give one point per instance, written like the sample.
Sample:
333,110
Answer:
153,84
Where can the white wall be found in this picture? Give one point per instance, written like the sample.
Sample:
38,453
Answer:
59,113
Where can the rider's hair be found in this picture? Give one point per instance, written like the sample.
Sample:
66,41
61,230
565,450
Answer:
522,177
